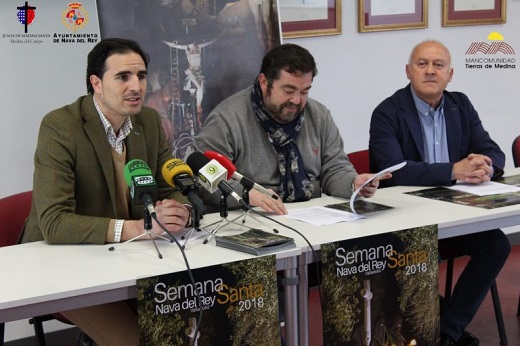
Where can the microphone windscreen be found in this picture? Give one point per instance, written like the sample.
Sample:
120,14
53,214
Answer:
134,168
223,160
174,167
196,161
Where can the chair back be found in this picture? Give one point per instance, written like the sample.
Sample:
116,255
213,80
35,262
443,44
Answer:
516,151
14,210
360,161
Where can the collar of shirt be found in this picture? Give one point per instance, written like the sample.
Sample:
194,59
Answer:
116,142
425,109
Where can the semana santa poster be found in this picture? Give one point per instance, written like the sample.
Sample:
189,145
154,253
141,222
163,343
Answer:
382,289
239,306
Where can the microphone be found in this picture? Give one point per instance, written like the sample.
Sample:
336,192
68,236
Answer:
179,175
212,175
232,173
143,188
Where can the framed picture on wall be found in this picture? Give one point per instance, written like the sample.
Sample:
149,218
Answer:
306,18
473,12
385,15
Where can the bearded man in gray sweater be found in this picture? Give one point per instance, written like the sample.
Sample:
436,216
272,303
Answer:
282,139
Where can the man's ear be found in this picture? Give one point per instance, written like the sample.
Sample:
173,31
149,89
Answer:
263,82
96,83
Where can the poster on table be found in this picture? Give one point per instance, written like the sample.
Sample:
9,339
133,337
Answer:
239,302
485,201
382,290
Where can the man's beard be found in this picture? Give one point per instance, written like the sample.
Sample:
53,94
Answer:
278,114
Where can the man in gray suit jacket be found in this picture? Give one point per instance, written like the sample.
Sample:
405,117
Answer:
79,191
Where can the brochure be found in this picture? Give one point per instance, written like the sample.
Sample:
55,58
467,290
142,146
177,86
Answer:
256,242
374,177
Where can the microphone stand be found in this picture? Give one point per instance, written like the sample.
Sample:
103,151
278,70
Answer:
195,225
223,216
245,197
147,231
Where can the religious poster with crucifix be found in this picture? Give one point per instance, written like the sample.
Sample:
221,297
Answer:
202,51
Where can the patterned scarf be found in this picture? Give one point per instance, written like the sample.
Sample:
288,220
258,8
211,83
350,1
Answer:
295,184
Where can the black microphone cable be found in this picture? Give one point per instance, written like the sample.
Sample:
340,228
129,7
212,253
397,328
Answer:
192,279
314,255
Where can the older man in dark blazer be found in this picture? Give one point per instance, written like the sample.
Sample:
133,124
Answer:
440,136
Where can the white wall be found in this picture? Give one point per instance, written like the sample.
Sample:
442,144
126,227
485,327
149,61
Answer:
358,70
36,78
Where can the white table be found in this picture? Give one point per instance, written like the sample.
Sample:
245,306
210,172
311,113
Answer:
408,212
38,278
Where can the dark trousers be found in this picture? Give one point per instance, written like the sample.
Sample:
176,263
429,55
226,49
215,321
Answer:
488,252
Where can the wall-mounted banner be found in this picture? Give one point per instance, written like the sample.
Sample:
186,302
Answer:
201,52
382,289
239,301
